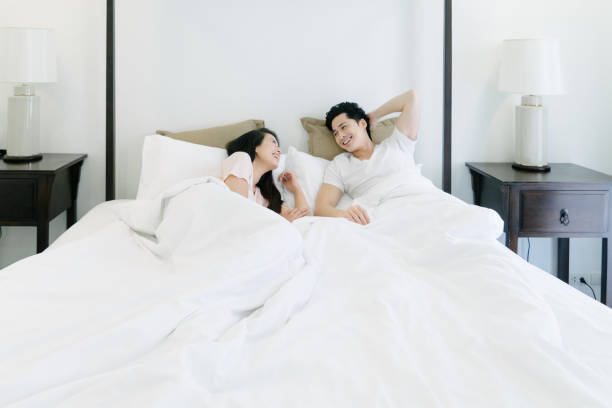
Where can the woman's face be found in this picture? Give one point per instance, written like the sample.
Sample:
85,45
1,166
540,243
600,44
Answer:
268,152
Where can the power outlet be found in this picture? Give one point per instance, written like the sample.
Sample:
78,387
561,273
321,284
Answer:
592,279
575,279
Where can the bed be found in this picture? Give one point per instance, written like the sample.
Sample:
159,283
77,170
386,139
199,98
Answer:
193,296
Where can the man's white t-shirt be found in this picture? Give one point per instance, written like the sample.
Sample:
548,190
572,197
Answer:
383,171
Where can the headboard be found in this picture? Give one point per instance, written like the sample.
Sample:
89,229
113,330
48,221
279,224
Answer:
111,102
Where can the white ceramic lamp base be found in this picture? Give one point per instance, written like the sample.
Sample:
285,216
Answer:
531,144
23,131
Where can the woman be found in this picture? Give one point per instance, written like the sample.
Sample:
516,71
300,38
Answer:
248,172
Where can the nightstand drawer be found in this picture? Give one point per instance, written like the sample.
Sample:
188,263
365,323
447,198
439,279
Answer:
564,211
17,199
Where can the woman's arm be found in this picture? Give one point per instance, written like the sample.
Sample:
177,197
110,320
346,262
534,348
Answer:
408,121
290,181
237,185
294,214
300,199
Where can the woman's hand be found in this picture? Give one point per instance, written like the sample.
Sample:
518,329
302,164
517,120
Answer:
357,215
292,215
289,180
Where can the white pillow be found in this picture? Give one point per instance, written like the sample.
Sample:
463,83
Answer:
309,171
166,161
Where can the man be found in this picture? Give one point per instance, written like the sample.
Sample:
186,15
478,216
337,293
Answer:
366,165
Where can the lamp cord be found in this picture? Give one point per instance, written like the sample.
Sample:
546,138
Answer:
582,280
528,248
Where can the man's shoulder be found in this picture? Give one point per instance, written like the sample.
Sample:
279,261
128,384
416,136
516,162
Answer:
397,140
340,158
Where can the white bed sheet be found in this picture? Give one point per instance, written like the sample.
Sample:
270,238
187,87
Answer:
94,220
421,308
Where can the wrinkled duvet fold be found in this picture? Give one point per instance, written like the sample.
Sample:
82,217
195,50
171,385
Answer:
203,298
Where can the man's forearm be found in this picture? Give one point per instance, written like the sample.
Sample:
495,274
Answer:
328,211
400,103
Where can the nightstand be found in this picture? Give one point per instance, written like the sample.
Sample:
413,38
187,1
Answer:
569,201
32,194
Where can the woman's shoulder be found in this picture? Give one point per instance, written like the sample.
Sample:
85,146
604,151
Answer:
238,164
239,157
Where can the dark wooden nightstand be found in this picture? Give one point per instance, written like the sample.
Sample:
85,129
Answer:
569,201
32,194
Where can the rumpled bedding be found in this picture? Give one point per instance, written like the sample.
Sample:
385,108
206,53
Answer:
202,298
101,302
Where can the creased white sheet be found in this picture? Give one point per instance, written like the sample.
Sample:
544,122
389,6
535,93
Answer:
423,307
101,302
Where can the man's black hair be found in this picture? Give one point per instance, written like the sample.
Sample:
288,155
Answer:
352,110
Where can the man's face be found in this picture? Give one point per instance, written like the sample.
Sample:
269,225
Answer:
349,134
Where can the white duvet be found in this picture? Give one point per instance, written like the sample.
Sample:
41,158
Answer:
202,298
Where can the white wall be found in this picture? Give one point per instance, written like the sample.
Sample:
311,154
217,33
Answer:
193,64
579,122
72,110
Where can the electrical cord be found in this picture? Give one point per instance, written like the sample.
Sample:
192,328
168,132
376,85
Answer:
528,248
582,280
585,282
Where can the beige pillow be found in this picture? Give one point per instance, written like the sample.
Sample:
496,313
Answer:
321,143
217,136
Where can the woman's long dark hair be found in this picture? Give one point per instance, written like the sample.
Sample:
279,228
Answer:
248,143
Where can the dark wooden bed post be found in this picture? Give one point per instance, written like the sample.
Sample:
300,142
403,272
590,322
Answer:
448,95
110,98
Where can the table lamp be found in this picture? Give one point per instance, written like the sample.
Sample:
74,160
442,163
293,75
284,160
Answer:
532,68
27,57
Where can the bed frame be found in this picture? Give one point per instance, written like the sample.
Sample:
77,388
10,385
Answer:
110,98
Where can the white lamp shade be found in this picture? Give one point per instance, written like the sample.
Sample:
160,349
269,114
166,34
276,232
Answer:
531,67
27,55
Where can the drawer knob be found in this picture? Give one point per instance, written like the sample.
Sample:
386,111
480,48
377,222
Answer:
564,218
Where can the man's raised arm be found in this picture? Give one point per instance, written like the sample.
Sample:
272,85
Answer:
409,119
